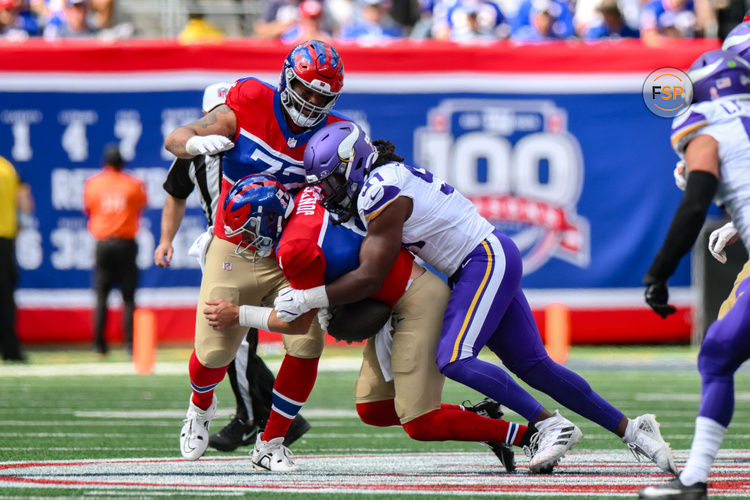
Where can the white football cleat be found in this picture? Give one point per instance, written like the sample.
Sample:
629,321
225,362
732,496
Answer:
644,440
194,433
272,455
555,436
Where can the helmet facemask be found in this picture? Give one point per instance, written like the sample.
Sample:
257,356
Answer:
302,112
252,240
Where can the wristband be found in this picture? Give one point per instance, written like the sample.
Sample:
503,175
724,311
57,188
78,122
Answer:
315,298
255,317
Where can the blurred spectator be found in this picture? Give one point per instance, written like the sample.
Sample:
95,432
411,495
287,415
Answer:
587,14
539,20
668,19
471,20
341,13
610,24
309,26
280,15
374,24
16,206
70,22
103,11
199,30
114,200
424,26
16,21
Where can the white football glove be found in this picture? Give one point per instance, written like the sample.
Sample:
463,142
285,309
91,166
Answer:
680,175
290,304
719,239
324,317
207,144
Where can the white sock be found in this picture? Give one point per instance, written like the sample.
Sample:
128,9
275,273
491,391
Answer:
706,443
629,432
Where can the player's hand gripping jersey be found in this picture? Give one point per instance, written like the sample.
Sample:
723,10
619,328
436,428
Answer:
443,226
264,142
728,121
313,251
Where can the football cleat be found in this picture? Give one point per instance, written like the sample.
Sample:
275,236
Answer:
487,407
675,490
505,454
555,436
645,441
491,409
272,455
235,434
194,433
298,427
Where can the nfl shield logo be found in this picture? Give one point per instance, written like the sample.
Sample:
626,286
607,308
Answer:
291,142
227,266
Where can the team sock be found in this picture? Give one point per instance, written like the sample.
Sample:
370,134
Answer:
293,386
378,413
459,425
706,443
204,380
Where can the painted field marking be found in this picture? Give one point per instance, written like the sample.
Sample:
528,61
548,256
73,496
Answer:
595,474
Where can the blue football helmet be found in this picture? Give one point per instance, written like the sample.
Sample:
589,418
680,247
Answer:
317,66
338,157
257,207
719,73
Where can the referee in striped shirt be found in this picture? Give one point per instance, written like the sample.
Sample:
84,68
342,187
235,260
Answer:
253,389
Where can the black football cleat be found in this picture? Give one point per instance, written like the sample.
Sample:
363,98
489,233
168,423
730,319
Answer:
675,490
505,454
485,408
297,428
236,433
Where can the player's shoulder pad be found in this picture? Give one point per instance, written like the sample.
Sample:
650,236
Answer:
294,255
687,125
381,188
247,89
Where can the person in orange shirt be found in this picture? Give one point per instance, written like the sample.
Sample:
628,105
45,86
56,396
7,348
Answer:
113,201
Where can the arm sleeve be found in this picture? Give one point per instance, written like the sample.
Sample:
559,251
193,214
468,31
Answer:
686,224
178,182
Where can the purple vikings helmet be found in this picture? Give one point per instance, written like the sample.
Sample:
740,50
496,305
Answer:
257,208
338,158
719,73
738,41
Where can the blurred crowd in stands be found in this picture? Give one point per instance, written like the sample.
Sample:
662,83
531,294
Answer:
371,21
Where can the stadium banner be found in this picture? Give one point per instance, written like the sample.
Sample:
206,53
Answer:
552,143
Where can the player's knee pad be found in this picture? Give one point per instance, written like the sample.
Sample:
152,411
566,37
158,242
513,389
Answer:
378,413
451,370
303,346
213,357
423,429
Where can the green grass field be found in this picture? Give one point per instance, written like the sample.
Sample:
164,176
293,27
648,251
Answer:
72,406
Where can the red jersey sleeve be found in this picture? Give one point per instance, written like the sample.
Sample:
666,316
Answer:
303,264
241,98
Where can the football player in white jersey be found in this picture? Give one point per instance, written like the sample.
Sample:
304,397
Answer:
405,206
713,139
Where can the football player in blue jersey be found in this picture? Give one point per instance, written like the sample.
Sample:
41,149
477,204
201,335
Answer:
712,138
261,128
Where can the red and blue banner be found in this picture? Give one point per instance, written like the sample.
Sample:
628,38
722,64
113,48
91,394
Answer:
553,143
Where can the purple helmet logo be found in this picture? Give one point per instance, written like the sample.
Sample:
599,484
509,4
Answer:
719,73
338,158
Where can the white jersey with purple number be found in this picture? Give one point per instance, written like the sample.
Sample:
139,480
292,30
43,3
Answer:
443,226
727,121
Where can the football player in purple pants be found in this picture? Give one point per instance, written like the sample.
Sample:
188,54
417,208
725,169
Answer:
713,139
405,206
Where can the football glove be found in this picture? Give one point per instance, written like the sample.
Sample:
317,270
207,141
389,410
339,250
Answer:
324,317
657,296
207,145
291,303
719,239
680,175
